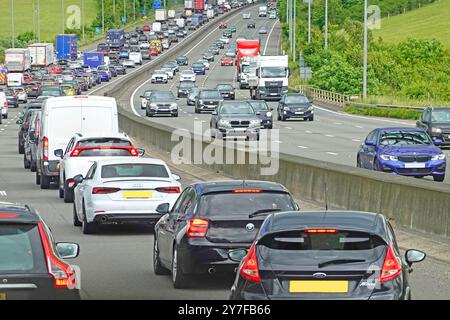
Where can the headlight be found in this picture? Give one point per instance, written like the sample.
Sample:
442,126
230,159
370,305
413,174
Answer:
224,123
388,157
173,106
269,114
311,108
153,105
436,130
255,123
438,157
286,109
144,101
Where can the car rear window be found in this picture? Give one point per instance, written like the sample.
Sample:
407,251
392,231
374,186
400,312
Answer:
102,152
339,241
104,142
231,203
134,171
21,249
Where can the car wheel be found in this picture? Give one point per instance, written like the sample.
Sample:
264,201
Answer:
283,118
26,163
158,269
21,148
196,110
376,165
33,166
175,115
68,193
179,279
5,116
60,192
358,162
311,118
439,178
76,221
45,182
87,227
38,178
278,116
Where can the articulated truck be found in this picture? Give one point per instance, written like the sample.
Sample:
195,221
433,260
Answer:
245,50
272,76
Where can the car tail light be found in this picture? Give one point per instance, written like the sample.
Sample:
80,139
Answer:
45,148
71,183
321,231
197,228
249,269
5,104
247,191
391,266
62,273
104,190
168,189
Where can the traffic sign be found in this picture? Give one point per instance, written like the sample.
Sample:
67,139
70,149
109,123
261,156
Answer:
156,4
124,19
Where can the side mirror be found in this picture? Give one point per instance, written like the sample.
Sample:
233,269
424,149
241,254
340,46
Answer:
414,256
141,152
67,250
370,143
437,142
237,255
258,113
418,123
176,177
163,208
32,136
296,206
20,121
59,153
78,178
271,109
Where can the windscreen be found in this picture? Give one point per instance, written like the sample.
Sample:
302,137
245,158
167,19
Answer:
237,108
273,72
134,171
296,98
224,87
163,96
210,94
230,203
398,138
259,105
187,84
440,115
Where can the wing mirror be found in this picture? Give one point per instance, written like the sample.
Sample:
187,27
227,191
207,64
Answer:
414,256
20,121
59,153
237,255
370,143
141,152
67,250
176,177
163,208
214,113
78,178
437,142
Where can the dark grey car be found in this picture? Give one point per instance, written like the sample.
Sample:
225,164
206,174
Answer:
162,102
226,90
184,87
263,112
182,60
192,96
207,100
436,122
31,138
295,105
235,119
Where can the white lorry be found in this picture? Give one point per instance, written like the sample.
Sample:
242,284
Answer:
160,15
263,11
156,27
180,23
17,60
42,54
14,79
273,77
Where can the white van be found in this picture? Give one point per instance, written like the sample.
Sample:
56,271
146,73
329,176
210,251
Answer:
3,107
136,57
62,117
14,79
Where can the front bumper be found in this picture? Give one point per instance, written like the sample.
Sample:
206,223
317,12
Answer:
153,111
429,168
240,132
298,113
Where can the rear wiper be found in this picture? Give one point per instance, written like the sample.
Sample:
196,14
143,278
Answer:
340,261
262,211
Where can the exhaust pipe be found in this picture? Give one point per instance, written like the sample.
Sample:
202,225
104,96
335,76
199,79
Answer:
211,270
104,219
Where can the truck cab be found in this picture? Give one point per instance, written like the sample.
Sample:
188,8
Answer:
273,75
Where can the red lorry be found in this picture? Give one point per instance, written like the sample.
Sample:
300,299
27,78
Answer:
199,5
245,48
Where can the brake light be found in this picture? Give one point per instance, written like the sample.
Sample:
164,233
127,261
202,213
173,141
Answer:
8,215
76,152
104,190
71,183
247,191
197,228
133,151
168,189
321,231
391,267
62,273
5,104
45,148
249,269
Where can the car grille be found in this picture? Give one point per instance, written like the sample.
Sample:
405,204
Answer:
414,170
240,124
274,86
414,158
163,105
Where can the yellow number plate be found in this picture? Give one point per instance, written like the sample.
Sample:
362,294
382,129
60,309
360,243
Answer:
2,296
137,194
318,286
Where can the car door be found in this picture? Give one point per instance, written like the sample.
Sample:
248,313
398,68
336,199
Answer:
63,160
280,106
368,152
83,191
164,235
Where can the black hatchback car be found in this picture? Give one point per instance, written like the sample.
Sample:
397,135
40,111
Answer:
31,263
226,90
208,221
295,105
324,255
436,122
182,60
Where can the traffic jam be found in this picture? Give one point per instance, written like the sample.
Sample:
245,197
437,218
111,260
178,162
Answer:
254,231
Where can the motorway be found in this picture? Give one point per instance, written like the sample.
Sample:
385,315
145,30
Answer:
333,136
117,263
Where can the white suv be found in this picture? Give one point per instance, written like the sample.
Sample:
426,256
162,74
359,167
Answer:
82,151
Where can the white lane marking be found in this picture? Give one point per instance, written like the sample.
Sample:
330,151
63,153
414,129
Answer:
268,37
277,141
303,147
3,193
362,117
332,153
338,123
356,140
329,136
6,125
289,128
359,127
307,131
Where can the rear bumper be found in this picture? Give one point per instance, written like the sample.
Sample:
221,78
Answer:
123,218
49,168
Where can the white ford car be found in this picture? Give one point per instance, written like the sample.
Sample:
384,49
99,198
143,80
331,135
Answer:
82,151
124,190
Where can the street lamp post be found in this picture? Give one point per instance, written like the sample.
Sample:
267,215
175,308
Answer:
82,17
62,16
124,10
114,10
365,52
12,24
39,20
294,31
326,24
103,16
309,21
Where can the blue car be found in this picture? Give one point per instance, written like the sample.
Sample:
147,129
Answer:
104,76
199,68
403,151
124,54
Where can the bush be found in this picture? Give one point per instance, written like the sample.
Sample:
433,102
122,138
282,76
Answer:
407,114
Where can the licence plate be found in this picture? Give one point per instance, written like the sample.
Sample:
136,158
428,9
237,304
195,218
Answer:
318,286
2,296
137,194
240,129
414,165
299,112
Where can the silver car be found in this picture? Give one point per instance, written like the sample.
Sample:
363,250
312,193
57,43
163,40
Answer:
162,102
235,119
123,190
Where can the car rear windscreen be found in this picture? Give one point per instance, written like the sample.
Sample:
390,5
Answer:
21,249
134,171
231,203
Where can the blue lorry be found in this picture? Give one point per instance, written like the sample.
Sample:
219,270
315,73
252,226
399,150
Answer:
115,38
66,46
93,59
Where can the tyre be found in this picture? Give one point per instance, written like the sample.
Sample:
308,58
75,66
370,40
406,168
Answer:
5,116
439,178
270,126
76,221
358,163
68,193
33,166
278,117
87,227
45,182
60,192
38,178
179,279
158,269
376,166
21,148
283,118
196,110
26,163
175,115
311,118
